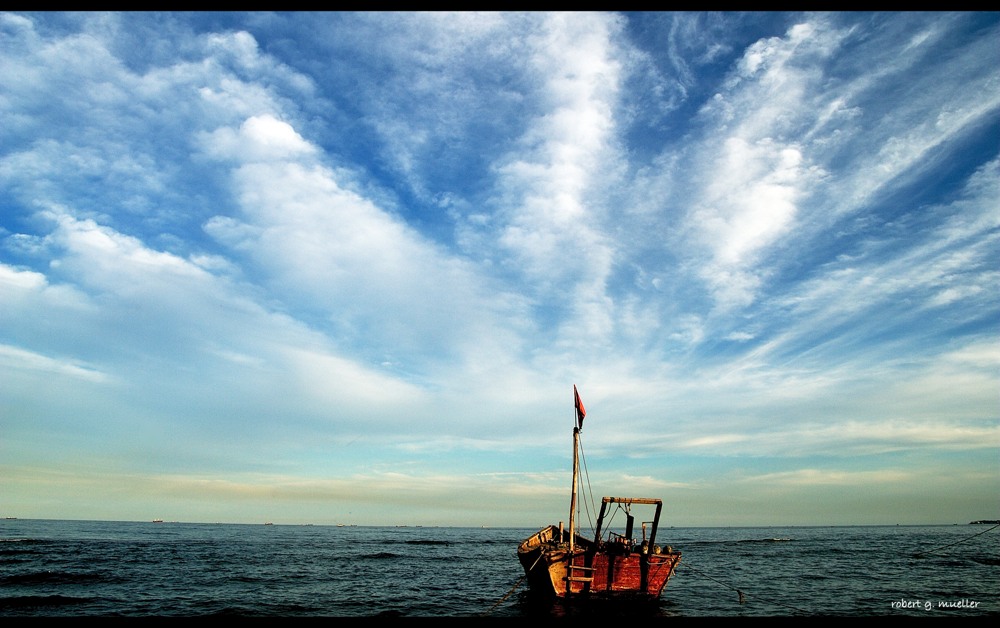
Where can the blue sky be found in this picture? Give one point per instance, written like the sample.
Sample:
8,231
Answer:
347,267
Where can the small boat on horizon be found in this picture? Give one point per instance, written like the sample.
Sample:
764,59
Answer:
612,564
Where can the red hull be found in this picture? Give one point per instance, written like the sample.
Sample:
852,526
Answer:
604,571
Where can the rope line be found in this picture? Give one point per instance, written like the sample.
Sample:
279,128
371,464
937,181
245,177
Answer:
586,493
932,551
514,588
509,593
742,595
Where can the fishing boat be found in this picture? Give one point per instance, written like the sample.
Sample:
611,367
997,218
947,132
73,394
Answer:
612,564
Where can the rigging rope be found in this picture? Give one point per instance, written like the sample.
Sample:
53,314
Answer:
932,551
587,496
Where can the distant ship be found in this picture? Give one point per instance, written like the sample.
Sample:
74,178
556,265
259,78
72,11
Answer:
157,520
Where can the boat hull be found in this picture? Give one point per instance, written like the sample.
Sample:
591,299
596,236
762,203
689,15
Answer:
592,571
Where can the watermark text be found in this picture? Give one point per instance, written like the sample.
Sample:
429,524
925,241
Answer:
928,605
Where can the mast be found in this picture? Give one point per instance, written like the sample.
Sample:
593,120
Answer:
572,501
578,413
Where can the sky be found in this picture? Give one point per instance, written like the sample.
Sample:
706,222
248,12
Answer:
347,267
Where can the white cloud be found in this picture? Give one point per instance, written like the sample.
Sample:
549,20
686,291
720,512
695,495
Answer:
259,138
817,477
566,144
14,358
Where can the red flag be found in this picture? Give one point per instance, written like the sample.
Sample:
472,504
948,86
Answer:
580,410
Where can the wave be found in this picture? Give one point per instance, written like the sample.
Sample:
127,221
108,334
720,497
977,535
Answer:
54,577
35,601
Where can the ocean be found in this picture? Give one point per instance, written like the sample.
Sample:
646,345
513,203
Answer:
54,568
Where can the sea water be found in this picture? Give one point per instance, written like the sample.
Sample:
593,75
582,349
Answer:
150,569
